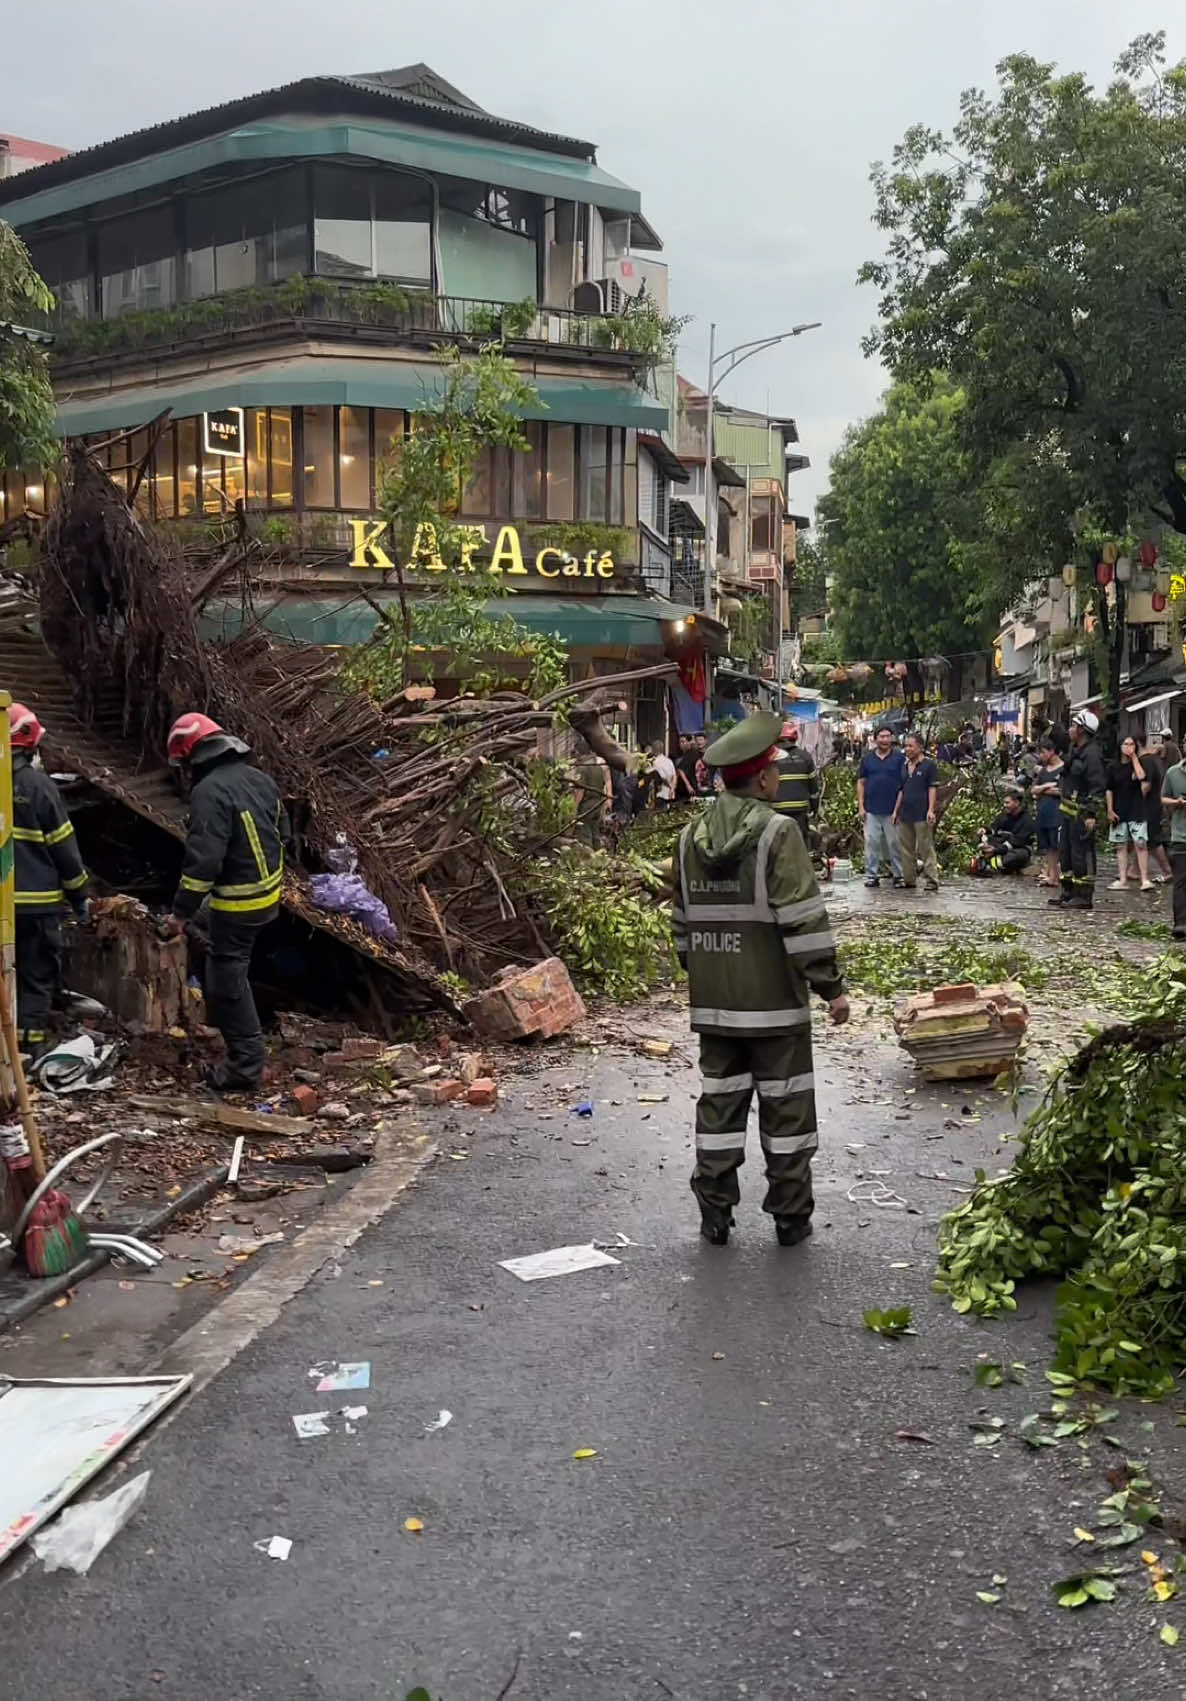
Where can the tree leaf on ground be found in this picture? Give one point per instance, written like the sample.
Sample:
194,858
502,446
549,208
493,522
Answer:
987,1597
1169,1636
891,1323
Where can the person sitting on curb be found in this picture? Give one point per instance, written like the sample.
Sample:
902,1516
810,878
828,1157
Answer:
1005,846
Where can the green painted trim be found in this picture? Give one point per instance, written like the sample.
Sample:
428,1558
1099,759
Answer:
342,383
389,144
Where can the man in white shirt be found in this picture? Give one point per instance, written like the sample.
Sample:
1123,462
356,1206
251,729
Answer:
663,769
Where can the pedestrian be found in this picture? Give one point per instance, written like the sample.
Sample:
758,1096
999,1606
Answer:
705,782
914,815
1153,760
593,800
1005,845
48,871
234,859
1045,793
751,929
1173,797
1127,813
798,782
1082,785
663,769
685,768
879,781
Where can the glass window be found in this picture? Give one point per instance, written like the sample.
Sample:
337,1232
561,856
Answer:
560,443
500,482
241,235
164,478
136,452
354,457
280,457
527,472
342,222
62,262
760,526
616,447
255,439
630,482
138,262
594,472
403,228
187,466
15,492
476,497
234,477
34,491
318,457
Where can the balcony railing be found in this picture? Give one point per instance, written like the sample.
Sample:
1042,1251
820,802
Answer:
357,307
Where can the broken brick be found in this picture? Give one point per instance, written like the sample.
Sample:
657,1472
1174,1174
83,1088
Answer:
483,1092
438,1092
359,1050
307,1100
539,1001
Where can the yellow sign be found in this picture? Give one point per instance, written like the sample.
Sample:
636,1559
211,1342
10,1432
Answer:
506,557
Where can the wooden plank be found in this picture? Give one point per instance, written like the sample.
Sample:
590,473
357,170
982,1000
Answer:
214,1112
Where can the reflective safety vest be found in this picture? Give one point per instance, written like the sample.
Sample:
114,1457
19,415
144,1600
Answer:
749,923
798,787
234,851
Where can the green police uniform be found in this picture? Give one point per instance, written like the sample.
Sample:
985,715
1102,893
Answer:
752,931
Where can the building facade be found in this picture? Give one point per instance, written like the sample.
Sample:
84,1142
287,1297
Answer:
263,294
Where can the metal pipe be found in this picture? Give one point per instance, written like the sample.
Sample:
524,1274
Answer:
710,502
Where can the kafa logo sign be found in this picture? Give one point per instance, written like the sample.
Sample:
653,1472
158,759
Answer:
222,432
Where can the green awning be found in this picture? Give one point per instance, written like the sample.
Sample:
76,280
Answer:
627,622
486,160
313,382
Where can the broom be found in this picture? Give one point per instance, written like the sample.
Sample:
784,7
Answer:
55,1237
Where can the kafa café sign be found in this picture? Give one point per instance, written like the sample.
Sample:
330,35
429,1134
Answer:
506,557
222,432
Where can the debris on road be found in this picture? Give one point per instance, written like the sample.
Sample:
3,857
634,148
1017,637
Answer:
78,1536
336,1377
441,1422
585,1453
560,1261
957,1032
275,1547
414,1526
308,1424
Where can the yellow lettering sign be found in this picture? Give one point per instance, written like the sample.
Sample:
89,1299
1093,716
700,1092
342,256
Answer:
472,539
571,568
507,549
425,549
605,565
367,551
545,571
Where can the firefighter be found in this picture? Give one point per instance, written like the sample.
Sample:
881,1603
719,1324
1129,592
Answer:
48,871
752,931
1005,847
1082,784
798,782
234,858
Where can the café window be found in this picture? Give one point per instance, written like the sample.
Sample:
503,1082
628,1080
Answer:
137,262
317,454
354,458
372,224
527,472
62,262
561,480
594,472
245,234
281,459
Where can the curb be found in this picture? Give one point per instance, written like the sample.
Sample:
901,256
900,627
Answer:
44,1292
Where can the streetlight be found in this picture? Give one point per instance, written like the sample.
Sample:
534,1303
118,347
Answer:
735,356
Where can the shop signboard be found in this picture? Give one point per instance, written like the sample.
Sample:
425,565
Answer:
371,548
222,432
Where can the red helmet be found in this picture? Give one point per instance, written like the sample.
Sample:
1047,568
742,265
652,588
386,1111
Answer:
186,733
24,729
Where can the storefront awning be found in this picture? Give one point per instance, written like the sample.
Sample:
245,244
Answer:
624,622
342,383
1148,702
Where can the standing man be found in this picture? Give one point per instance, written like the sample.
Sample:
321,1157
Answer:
914,816
1173,796
879,781
663,769
234,856
1082,783
47,870
752,931
798,782
685,768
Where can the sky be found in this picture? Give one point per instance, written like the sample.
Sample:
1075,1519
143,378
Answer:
748,129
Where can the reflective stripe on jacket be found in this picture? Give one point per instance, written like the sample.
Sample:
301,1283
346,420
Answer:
234,851
753,933
798,786
1082,782
47,861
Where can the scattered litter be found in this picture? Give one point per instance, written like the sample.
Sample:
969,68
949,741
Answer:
242,1243
585,1108
414,1526
653,1098
232,1174
276,1547
875,1193
353,1413
442,1422
308,1424
75,1066
914,1435
76,1539
656,1048
718,1357
347,894
335,1377
560,1261
585,1453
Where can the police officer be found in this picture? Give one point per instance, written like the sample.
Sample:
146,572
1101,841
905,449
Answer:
234,856
1082,784
798,782
752,932
48,869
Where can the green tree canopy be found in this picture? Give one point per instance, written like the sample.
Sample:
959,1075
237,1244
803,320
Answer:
1037,255
26,396
898,508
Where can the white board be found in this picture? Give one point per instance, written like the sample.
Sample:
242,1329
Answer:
560,1261
57,1433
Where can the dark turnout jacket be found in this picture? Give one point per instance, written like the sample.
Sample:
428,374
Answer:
48,864
234,851
1014,830
1083,781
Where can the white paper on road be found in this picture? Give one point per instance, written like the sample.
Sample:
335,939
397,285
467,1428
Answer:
560,1261
277,1547
442,1422
307,1424
63,1430
342,1376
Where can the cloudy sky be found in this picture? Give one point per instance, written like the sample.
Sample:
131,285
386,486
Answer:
748,128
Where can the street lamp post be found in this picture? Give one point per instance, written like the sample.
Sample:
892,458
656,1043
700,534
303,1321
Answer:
735,356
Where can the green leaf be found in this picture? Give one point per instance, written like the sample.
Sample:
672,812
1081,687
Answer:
987,1597
989,1375
1169,1636
890,1323
1100,1588
418,1695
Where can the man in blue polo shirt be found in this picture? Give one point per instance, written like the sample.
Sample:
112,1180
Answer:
879,783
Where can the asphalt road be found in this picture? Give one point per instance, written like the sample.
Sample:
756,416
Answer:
750,1525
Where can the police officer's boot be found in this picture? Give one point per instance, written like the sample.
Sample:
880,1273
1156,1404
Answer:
791,1230
715,1223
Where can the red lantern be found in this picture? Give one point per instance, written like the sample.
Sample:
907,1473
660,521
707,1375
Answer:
1148,554
1159,602
1103,572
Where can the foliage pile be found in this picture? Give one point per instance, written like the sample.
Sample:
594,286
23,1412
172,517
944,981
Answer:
897,957
957,835
1096,1196
603,919
655,833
